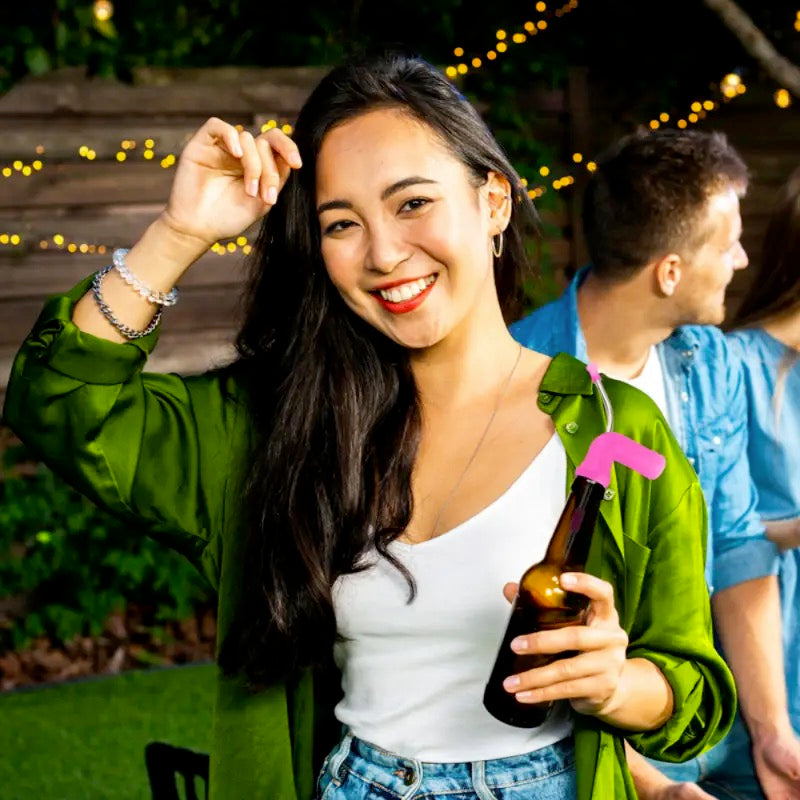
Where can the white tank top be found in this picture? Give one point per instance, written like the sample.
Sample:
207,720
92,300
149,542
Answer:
413,674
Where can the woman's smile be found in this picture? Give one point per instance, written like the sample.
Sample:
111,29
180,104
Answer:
400,297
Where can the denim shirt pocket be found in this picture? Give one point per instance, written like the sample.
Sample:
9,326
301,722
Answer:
637,556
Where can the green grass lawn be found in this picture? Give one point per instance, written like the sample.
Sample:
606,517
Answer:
85,740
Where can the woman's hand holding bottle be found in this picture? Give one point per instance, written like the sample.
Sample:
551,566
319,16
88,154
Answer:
590,679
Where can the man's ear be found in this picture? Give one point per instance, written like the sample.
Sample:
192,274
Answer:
667,273
498,196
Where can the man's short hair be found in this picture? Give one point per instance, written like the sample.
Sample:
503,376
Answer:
648,195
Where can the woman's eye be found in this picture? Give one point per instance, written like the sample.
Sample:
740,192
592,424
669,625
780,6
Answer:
414,204
338,226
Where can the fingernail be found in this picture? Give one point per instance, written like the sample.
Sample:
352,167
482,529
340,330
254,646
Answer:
568,579
252,187
511,682
524,696
272,195
237,150
297,161
519,644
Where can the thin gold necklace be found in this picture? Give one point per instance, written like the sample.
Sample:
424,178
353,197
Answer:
498,403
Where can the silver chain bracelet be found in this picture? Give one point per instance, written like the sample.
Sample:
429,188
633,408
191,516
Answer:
125,330
157,298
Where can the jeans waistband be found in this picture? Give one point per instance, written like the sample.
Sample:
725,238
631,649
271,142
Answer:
406,776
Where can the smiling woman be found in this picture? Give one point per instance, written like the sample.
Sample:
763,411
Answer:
382,460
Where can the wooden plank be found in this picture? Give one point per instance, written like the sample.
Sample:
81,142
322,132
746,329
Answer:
89,183
47,273
276,90
201,307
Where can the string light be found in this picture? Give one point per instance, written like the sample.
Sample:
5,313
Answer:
504,40
782,98
797,22
103,10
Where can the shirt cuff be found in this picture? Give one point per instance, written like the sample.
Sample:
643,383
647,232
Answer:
756,558
64,347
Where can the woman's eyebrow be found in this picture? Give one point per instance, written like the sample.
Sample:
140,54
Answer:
385,194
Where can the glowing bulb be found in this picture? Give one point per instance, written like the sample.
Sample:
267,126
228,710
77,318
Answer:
476,62
458,52
708,105
693,118
83,150
451,72
148,154
591,166
696,106
43,244
501,34
287,129
491,55
241,241
37,165
663,116
502,47
121,156
681,123
58,239
149,144
26,170
577,157
654,124
101,248
39,149
530,27
462,69
540,7
3,238
782,98
544,171
72,247
731,79
84,248
91,155
7,172
247,249
17,165
541,25
103,10
231,247
519,38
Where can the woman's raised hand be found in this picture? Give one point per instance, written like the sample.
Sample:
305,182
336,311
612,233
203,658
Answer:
227,179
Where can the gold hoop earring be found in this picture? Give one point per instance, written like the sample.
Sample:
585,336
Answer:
497,247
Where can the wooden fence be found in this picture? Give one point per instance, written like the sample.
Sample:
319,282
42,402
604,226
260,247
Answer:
93,203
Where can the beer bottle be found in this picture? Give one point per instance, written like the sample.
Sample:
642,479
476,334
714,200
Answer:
541,604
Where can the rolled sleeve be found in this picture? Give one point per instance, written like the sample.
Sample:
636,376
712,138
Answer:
741,551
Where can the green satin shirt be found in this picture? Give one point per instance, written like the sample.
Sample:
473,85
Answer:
168,452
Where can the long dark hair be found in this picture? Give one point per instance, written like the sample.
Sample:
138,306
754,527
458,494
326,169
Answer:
334,406
775,286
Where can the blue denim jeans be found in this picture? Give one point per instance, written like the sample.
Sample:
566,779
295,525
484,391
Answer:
357,770
726,771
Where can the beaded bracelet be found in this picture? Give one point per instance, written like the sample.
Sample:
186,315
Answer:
127,332
157,298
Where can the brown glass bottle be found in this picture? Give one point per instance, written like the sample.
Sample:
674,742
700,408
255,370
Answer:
541,604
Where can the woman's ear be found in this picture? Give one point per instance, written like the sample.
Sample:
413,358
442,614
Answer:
498,196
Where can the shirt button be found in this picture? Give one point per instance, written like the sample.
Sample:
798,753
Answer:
691,460
717,440
571,427
408,776
608,494
688,353
545,397
684,397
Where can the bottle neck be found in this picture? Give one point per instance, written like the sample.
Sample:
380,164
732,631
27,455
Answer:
573,535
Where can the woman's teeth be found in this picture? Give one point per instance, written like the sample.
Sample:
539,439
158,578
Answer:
397,294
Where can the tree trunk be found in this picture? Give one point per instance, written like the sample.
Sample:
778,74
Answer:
760,48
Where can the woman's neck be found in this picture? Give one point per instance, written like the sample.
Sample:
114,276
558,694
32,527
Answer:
785,328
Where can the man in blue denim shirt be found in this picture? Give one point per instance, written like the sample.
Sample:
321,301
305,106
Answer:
662,223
